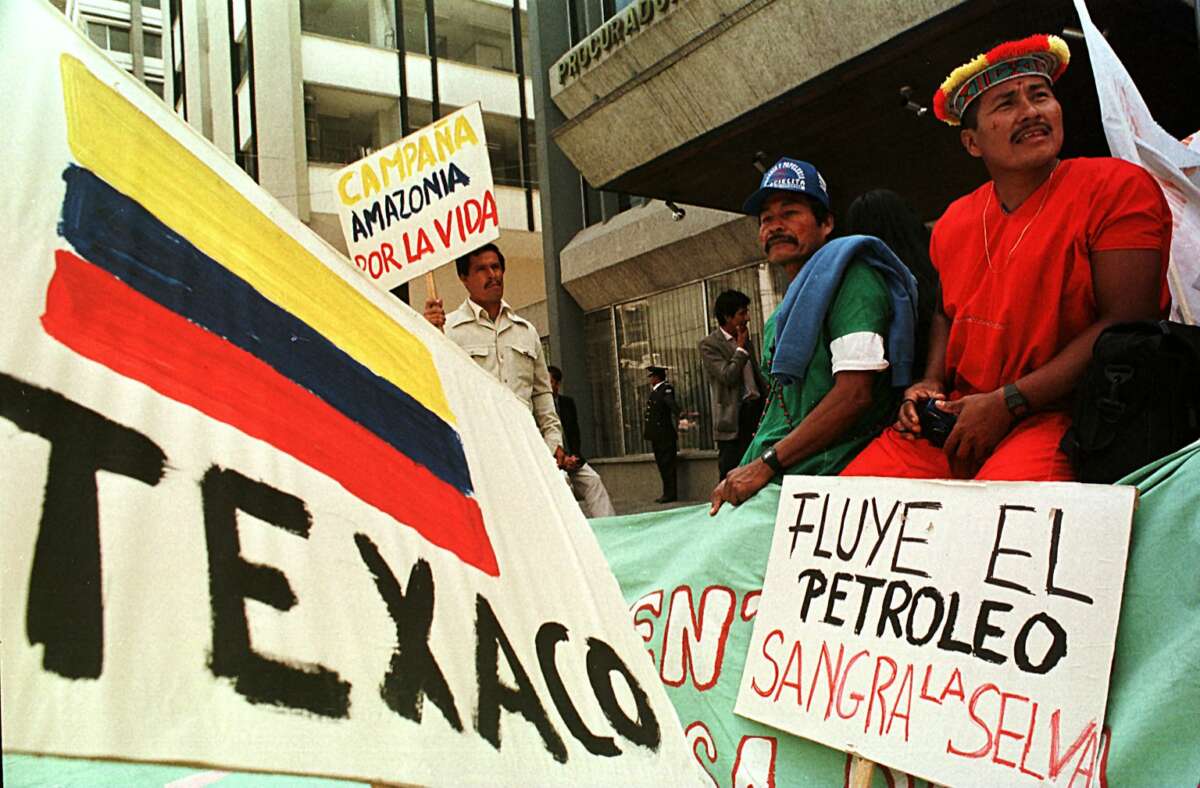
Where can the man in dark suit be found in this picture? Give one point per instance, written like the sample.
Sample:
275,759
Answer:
661,428
586,484
735,384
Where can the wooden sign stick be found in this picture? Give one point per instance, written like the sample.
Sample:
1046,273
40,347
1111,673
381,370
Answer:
860,772
430,286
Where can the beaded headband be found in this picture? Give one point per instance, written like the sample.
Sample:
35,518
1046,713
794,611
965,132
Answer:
1038,55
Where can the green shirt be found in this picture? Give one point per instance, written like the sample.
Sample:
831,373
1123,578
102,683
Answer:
860,304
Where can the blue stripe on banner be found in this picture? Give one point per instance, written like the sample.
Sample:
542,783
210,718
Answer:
117,234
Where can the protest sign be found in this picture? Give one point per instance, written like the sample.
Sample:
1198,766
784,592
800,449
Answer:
692,583
258,515
959,631
420,202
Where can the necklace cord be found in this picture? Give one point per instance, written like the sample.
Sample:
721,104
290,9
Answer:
987,252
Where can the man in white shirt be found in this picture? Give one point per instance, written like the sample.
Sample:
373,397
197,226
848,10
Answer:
499,340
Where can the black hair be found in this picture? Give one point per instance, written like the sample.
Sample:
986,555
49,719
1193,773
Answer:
820,211
728,304
463,264
885,215
555,372
970,116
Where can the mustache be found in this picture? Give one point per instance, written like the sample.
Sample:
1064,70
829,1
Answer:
775,238
1036,124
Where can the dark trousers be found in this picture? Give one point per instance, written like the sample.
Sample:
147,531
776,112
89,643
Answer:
665,459
729,453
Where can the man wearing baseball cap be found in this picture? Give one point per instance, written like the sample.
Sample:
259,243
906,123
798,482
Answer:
837,346
1033,265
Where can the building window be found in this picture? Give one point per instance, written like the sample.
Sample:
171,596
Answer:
479,34
663,329
151,3
156,85
114,38
602,368
365,21
247,160
504,149
342,126
152,45
415,38
241,58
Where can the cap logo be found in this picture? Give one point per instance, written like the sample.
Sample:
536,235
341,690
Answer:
787,175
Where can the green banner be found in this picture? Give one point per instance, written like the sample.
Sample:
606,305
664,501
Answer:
692,583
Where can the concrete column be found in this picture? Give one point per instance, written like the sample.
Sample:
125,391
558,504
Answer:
562,209
197,75
279,95
220,76
381,32
387,125
137,50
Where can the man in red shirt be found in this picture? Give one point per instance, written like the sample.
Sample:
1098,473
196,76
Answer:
1034,265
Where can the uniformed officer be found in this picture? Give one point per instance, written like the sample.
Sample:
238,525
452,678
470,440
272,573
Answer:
661,429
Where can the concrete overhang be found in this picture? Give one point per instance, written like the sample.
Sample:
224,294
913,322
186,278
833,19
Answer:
645,250
678,111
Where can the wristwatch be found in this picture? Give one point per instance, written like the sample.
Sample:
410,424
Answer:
1017,405
772,460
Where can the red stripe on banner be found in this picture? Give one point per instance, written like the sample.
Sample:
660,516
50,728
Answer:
97,316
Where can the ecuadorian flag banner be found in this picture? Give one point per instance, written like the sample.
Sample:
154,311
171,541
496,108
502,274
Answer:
141,289
258,515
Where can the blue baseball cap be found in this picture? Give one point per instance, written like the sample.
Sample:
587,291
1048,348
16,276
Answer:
787,175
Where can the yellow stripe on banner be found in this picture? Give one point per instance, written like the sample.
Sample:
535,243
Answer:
117,142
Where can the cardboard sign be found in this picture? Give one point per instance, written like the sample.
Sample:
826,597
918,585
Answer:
256,514
420,202
960,631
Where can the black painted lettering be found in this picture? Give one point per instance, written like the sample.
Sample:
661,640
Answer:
997,550
65,612
232,580
836,595
522,699
869,585
881,529
845,554
947,642
891,609
935,620
901,538
1056,516
799,527
817,551
414,672
816,587
549,635
602,662
985,630
1054,653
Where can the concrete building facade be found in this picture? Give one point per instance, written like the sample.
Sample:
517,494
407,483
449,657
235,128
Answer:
295,89
661,115
130,32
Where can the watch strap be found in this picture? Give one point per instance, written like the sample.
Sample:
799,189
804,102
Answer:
772,460
1015,400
